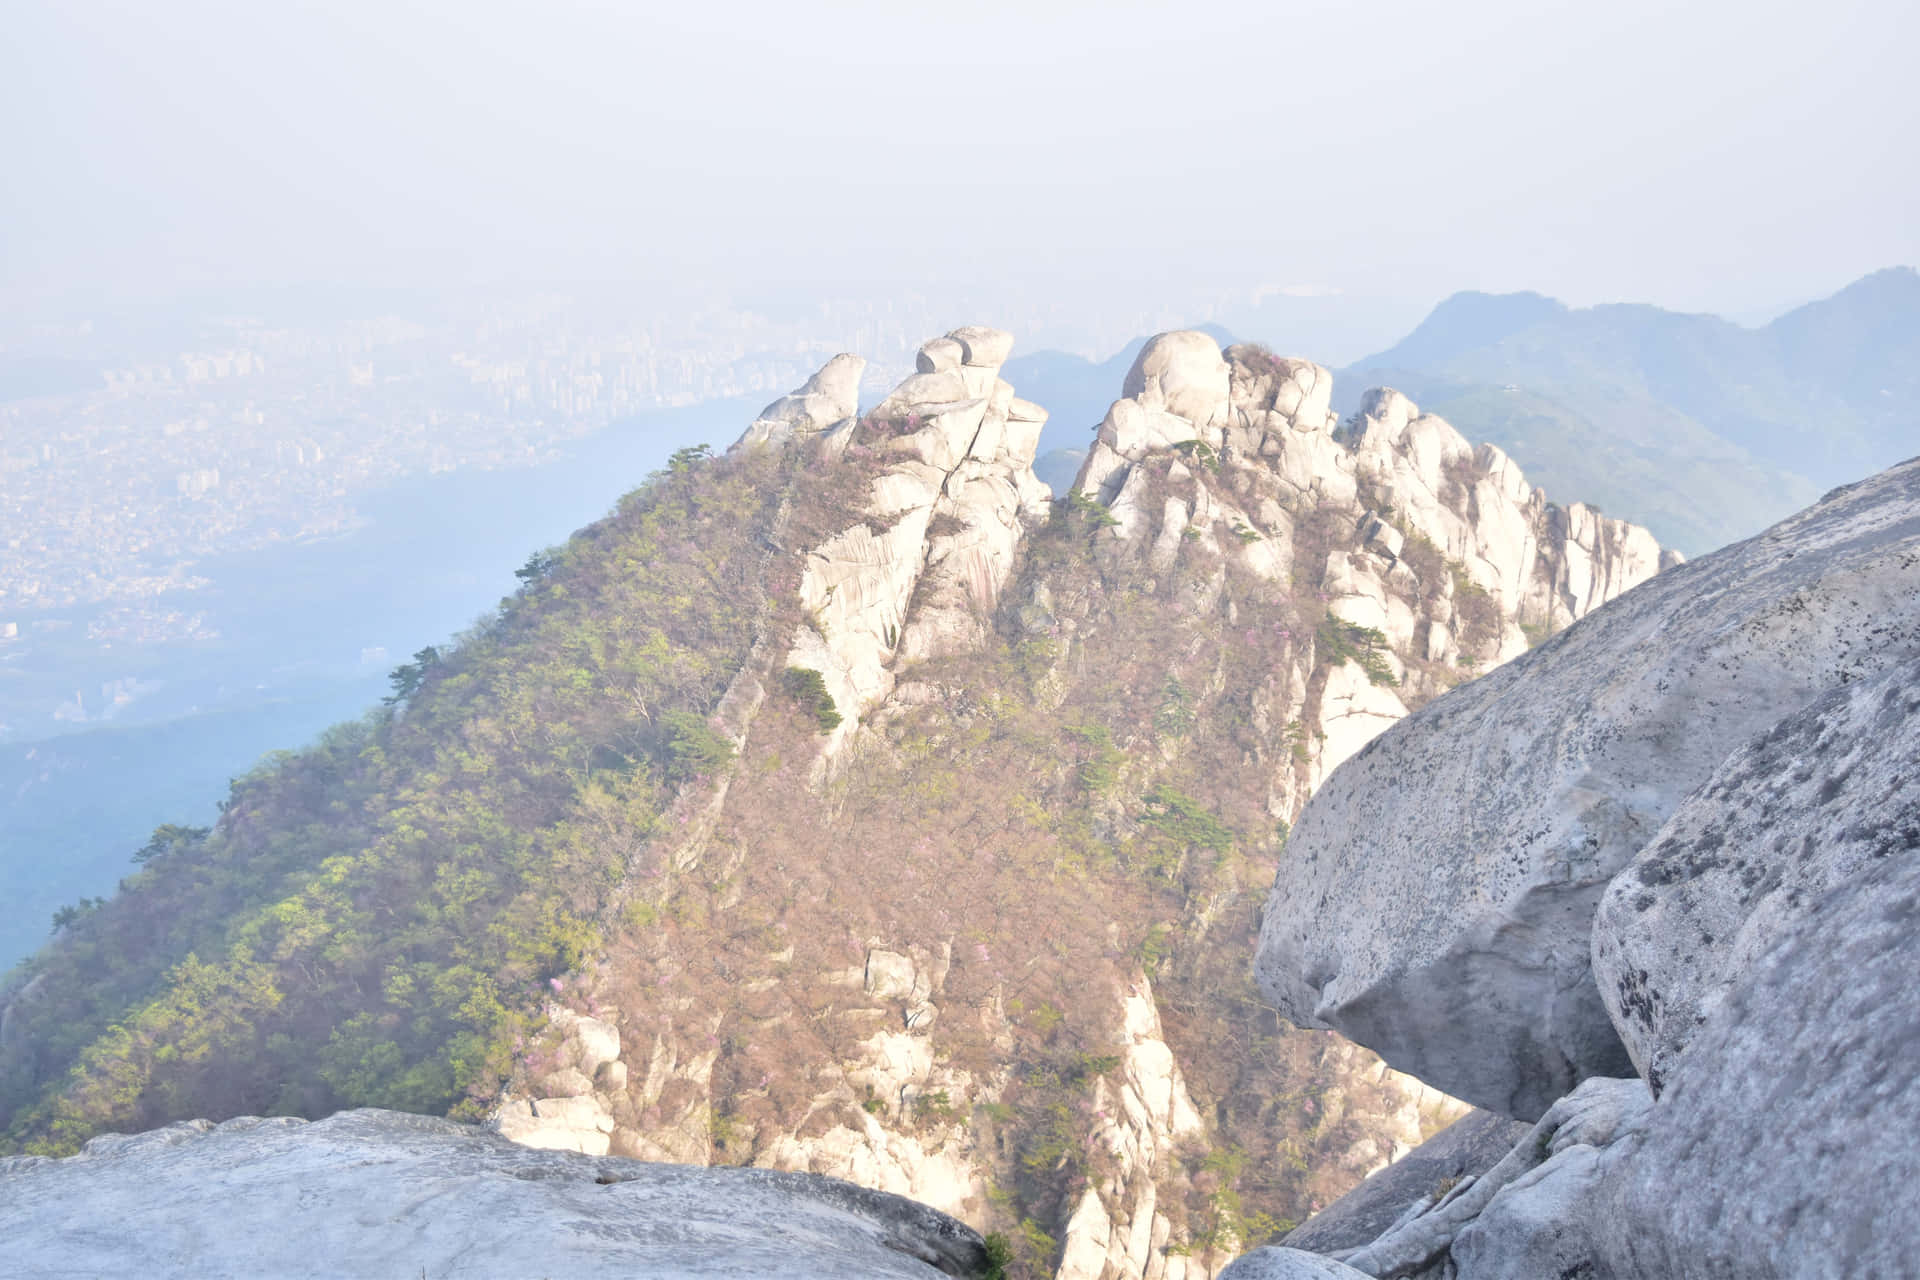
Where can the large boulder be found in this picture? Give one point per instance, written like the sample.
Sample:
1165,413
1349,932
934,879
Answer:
1277,1262
1183,373
1784,1143
828,399
982,347
366,1193
1804,808
1438,895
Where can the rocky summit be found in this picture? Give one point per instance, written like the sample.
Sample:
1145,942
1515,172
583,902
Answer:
850,805
1655,884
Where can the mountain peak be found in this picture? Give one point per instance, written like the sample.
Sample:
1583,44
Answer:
1466,321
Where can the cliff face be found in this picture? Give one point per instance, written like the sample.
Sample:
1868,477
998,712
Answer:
875,816
1037,708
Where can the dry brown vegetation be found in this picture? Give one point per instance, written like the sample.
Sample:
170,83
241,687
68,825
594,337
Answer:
378,919
1075,805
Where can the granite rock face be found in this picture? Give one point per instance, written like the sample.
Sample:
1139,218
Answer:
1393,486
1784,1143
1439,894
1467,1148
826,401
382,1193
940,530
1277,1262
1803,809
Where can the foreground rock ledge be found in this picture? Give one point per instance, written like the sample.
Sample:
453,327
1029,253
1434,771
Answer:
382,1193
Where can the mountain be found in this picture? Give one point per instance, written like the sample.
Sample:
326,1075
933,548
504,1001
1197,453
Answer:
847,805
1701,429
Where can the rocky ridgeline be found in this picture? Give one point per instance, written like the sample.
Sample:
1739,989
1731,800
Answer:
1014,987
942,523
1655,886
1439,557
1393,487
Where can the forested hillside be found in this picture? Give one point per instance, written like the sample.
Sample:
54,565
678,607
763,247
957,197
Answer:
843,804
372,917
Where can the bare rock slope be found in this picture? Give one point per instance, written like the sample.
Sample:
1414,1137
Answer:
365,1193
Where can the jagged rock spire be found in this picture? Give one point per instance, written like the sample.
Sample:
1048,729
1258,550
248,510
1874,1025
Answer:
825,402
939,529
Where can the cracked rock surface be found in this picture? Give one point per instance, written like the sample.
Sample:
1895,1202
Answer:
1784,1145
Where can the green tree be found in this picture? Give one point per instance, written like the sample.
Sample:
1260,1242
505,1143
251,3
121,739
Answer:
809,688
409,676
168,837
694,747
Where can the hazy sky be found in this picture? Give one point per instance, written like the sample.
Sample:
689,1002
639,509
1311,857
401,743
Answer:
1707,155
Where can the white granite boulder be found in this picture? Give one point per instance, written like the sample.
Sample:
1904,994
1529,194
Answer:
982,347
380,1193
1183,373
1437,900
1804,808
1783,1145
828,399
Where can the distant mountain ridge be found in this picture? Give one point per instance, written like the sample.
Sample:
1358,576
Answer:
1702,429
